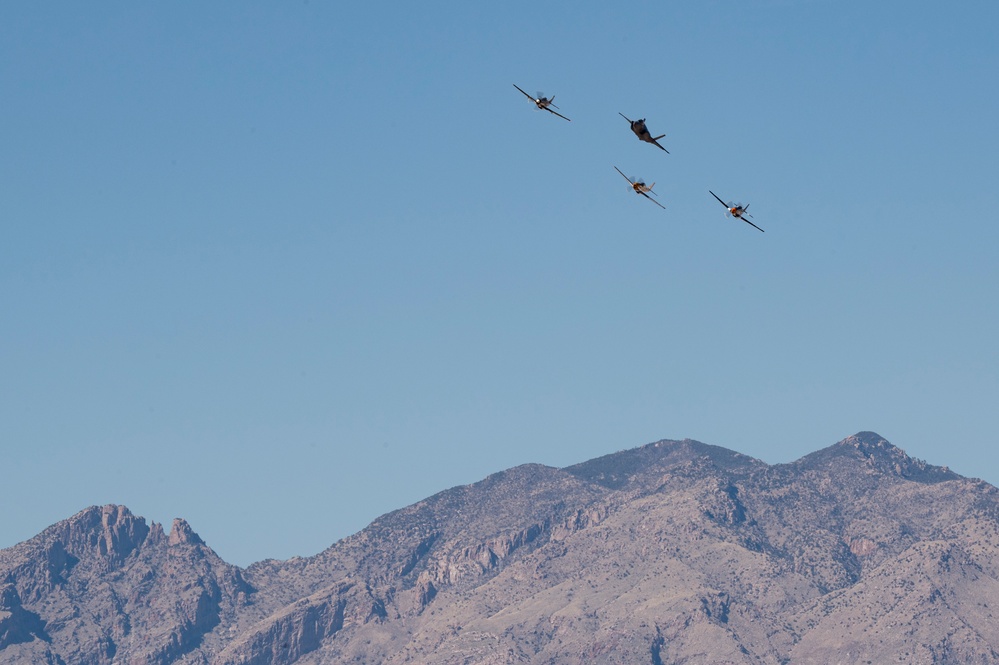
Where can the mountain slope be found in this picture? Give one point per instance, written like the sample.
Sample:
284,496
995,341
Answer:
673,552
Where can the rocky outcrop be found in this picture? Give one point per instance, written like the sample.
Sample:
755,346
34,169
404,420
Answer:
457,561
294,631
181,533
302,627
108,534
862,547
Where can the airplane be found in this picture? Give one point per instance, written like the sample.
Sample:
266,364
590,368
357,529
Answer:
642,132
641,188
543,103
736,210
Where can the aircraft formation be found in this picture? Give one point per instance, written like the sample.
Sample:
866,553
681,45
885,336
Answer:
734,210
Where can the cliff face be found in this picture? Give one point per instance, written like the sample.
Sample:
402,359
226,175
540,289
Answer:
673,552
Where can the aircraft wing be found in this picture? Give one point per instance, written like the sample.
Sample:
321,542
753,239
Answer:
624,116
660,204
557,113
751,224
525,94
624,176
719,200
652,140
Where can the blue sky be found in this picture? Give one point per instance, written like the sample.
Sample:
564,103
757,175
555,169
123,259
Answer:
281,269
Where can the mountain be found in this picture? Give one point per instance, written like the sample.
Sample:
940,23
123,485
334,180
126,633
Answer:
675,552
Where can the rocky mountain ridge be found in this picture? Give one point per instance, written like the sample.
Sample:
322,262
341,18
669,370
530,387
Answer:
672,552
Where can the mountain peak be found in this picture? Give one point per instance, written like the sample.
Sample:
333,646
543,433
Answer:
111,529
872,445
181,533
621,469
868,438
874,451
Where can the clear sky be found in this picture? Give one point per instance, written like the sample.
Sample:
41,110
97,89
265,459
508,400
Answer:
279,268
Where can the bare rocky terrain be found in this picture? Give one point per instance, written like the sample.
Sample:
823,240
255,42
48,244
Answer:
675,552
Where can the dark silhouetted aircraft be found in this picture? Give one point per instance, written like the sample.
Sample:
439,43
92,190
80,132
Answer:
642,132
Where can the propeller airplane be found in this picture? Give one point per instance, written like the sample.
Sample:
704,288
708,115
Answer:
642,132
543,103
640,187
736,210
